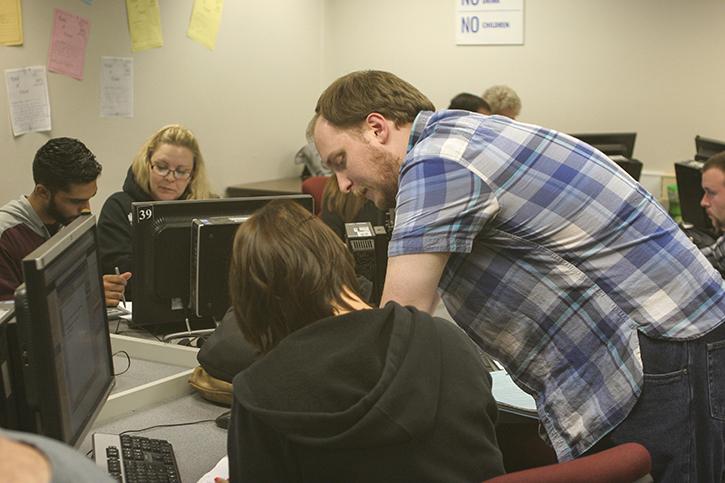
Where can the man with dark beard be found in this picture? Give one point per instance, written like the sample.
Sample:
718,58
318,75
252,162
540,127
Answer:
65,173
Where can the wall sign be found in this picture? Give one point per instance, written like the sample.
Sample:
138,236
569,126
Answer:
489,22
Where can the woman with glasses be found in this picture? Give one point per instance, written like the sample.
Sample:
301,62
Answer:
169,166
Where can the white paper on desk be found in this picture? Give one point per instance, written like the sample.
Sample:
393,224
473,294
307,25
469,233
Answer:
221,470
505,391
116,87
129,307
28,99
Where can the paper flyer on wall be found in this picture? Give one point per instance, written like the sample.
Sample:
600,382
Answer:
68,42
11,22
28,99
116,87
144,24
204,24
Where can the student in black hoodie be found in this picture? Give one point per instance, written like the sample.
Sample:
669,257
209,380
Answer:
169,166
341,391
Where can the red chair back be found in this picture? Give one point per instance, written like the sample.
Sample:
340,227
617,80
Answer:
625,463
315,185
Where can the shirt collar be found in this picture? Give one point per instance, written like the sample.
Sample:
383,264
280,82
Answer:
421,120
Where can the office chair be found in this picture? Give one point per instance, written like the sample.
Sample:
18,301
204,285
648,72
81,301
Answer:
626,463
315,185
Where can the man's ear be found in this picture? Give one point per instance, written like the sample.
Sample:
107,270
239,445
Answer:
42,192
379,126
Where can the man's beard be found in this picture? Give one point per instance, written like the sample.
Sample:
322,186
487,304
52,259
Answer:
53,212
387,170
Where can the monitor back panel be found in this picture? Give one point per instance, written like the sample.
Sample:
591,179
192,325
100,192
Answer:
689,190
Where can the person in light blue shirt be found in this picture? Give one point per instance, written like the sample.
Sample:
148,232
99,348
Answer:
552,259
33,458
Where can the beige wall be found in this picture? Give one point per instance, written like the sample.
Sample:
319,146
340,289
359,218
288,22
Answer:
248,101
650,66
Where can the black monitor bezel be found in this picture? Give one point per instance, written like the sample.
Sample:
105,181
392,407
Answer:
148,311
41,405
688,176
602,141
705,148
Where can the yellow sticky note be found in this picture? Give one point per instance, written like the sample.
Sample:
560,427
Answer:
144,24
204,24
11,22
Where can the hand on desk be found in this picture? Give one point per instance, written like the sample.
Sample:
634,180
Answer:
114,286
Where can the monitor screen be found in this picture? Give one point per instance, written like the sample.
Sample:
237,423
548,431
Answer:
611,144
162,233
62,334
690,192
706,148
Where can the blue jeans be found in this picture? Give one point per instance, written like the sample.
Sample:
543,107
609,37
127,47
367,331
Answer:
680,416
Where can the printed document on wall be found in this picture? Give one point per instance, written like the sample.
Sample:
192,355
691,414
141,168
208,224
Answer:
11,22
116,87
144,24
489,22
204,24
28,99
68,44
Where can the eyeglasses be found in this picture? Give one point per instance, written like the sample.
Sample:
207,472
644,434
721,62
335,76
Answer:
163,171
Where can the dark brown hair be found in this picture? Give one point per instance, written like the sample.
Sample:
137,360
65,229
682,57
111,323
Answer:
288,270
715,161
348,100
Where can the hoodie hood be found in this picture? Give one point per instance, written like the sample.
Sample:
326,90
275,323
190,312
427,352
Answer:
133,189
351,381
20,211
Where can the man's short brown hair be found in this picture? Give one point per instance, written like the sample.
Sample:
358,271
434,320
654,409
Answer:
715,161
288,270
349,100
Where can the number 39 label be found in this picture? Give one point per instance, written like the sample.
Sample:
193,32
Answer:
145,214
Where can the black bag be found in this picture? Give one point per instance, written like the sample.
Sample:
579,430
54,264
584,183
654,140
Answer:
226,352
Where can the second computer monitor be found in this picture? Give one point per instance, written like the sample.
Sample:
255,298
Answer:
62,365
611,144
162,253
705,148
690,192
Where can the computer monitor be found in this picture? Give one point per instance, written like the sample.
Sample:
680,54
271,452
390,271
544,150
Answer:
369,247
690,192
211,253
162,233
705,148
611,144
62,367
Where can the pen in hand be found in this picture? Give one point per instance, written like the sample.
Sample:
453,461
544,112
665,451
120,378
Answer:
123,295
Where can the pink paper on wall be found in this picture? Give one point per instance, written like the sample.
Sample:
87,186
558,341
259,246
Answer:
68,44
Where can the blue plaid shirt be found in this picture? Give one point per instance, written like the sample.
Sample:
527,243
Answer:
558,259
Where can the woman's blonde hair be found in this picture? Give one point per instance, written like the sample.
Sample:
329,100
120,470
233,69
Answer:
176,135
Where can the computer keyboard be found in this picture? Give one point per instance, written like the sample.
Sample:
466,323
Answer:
135,459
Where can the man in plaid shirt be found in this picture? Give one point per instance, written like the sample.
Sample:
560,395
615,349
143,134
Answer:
552,259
